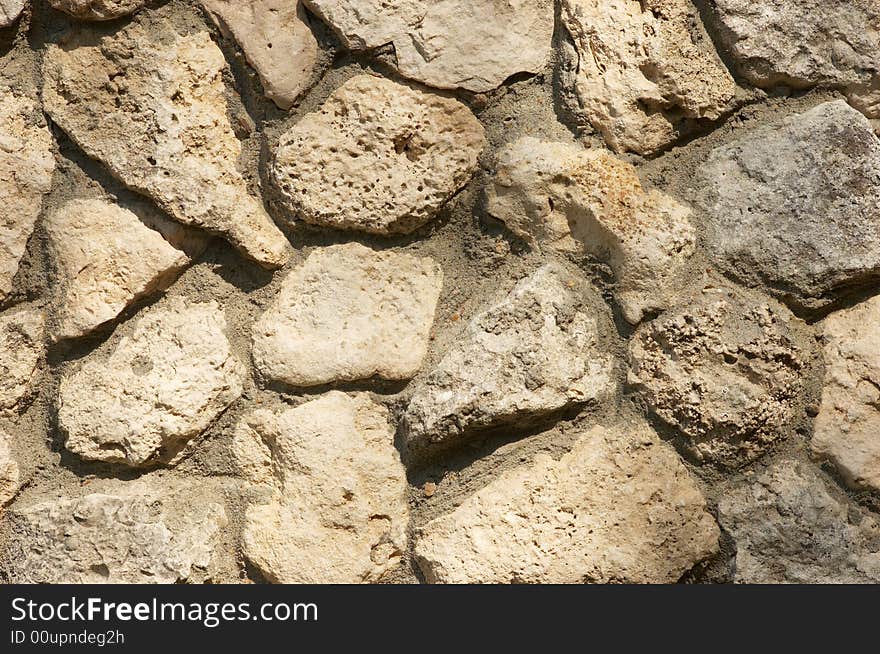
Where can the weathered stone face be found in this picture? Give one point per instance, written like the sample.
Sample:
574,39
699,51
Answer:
469,44
98,9
139,533
798,207
569,199
22,335
642,73
26,167
378,157
803,44
618,508
9,473
789,527
164,129
10,10
276,39
725,369
142,401
847,429
336,509
535,352
349,313
106,257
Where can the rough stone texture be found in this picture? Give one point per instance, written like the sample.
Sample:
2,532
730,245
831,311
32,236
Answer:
276,39
139,533
98,9
22,347
164,128
808,43
642,73
377,157
26,167
10,10
533,353
798,207
106,257
142,401
336,510
619,508
847,429
349,313
725,369
789,528
575,200
469,44
9,475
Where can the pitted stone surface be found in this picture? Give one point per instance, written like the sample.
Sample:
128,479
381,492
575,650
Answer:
566,198
336,509
642,73
618,508
349,313
535,352
142,400
98,9
469,44
725,369
377,157
797,207
164,128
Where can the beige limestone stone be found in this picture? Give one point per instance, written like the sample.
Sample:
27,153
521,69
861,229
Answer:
618,508
378,157
26,167
140,401
22,332
642,73
98,9
566,198
725,368
276,40
533,353
336,510
469,44
791,527
9,473
808,43
348,313
149,103
105,258
135,532
10,10
847,429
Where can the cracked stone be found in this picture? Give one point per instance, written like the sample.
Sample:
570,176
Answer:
377,157
335,508
349,313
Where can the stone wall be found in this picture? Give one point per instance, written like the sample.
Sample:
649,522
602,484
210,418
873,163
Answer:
438,292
